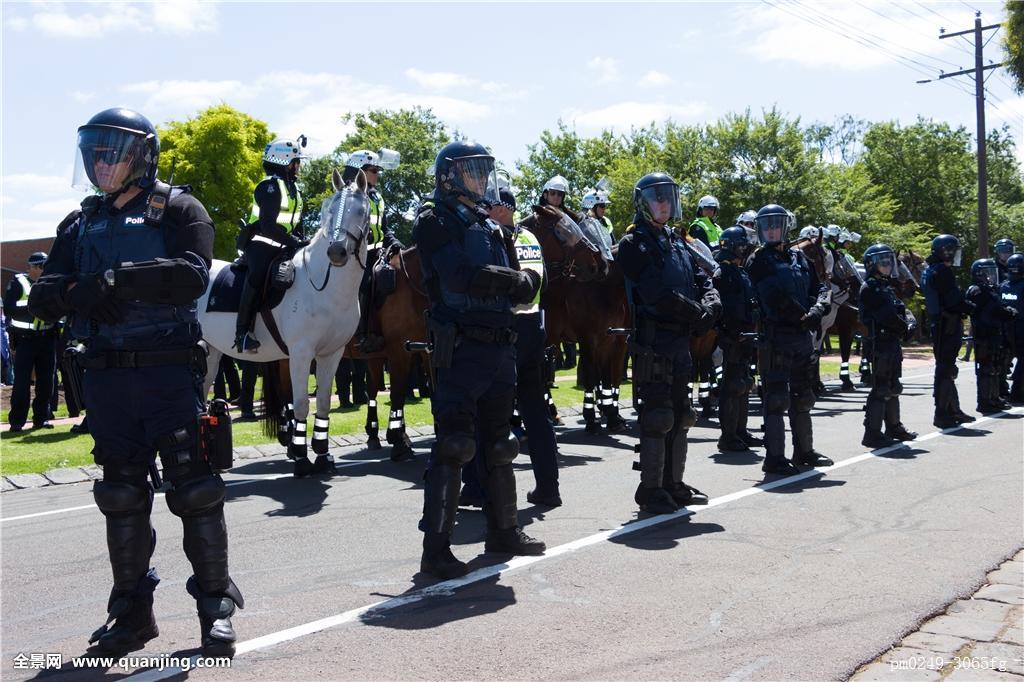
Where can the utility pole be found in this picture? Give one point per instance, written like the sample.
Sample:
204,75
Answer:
979,96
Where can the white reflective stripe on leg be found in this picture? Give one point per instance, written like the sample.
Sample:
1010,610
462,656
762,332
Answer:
394,424
372,404
320,424
319,435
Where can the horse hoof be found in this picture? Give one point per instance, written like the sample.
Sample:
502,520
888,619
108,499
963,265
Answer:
303,467
323,464
373,443
297,452
399,438
402,453
321,446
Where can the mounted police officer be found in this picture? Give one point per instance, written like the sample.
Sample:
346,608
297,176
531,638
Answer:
671,299
793,302
274,230
473,281
989,318
704,226
381,241
127,270
947,309
595,203
1012,294
740,313
35,350
888,323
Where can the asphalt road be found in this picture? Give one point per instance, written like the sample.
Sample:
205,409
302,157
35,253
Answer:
800,578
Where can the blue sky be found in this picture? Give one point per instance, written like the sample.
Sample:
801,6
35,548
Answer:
500,72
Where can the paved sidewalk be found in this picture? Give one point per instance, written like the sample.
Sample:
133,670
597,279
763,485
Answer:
977,638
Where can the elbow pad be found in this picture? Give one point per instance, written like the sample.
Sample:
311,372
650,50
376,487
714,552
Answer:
492,281
167,281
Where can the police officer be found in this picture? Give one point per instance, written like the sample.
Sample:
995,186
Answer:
1012,295
740,313
381,240
127,270
1004,248
472,281
704,226
886,318
988,317
275,229
35,350
947,309
595,203
671,299
746,221
793,302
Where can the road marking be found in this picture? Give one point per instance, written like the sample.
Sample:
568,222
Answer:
449,586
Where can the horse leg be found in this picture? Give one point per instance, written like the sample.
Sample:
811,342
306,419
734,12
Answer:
213,357
374,382
401,365
706,369
845,347
326,368
297,450
588,379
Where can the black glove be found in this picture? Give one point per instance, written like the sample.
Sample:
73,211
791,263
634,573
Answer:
90,296
712,303
492,281
679,307
526,289
812,320
704,323
1011,312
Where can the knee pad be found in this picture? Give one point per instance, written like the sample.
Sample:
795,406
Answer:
503,452
122,498
457,448
656,420
802,400
197,496
776,400
895,388
735,384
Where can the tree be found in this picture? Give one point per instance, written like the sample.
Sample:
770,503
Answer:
415,133
219,153
1013,42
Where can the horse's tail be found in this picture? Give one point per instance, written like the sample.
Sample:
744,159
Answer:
276,393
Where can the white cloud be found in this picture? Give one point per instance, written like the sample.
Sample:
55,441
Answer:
186,97
82,96
607,69
33,204
626,115
655,79
439,80
178,17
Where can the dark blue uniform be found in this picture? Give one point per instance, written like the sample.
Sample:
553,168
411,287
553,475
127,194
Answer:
947,309
885,317
787,289
990,317
142,392
665,287
1011,293
475,386
740,314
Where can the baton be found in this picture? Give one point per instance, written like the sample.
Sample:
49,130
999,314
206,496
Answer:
619,331
424,346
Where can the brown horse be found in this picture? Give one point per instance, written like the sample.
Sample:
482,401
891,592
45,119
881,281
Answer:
399,319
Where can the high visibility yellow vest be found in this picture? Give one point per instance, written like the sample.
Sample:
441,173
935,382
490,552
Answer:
530,258
291,207
713,232
36,325
376,215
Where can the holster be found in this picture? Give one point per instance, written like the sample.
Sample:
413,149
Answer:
215,436
442,336
283,275
73,374
648,366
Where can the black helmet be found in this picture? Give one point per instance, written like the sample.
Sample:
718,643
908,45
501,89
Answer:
1004,249
777,219
110,138
465,168
948,249
879,255
984,272
1015,267
657,188
734,243
38,258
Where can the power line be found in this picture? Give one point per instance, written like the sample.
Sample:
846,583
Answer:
903,25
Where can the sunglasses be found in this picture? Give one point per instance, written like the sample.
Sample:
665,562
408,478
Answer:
374,170
108,156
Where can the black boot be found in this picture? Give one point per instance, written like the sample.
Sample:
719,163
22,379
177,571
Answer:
512,541
780,466
812,458
133,621
215,610
874,414
437,559
441,484
650,495
894,428
248,307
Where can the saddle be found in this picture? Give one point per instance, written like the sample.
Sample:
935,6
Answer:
226,292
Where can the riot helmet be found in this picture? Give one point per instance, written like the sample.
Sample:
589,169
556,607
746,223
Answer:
279,155
117,148
1015,267
594,197
1004,249
810,232
880,261
746,219
555,184
774,224
466,169
831,232
734,243
984,272
947,248
656,199
707,201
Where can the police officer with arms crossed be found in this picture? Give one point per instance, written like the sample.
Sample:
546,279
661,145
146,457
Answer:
35,349
127,270
472,281
793,302
888,322
672,299
740,313
947,309
989,317
275,228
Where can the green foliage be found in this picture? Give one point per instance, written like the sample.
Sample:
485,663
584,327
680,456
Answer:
219,152
1013,42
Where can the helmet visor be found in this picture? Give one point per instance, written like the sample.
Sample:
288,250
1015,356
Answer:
774,229
958,256
660,203
594,231
108,159
987,273
882,263
478,178
570,234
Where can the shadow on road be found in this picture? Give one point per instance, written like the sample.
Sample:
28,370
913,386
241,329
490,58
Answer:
665,535
437,609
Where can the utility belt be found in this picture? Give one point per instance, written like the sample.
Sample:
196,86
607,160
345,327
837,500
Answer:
122,359
491,335
445,336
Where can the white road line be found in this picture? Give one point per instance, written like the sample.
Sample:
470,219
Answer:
448,586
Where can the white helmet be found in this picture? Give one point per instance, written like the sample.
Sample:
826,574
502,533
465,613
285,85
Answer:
387,159
844,236
707,201
594,197
810,232
283,152
854,237
746,217
830,231
557,183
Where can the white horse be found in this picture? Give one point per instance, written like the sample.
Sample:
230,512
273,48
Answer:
316,318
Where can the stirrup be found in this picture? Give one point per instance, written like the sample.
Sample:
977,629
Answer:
246,343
